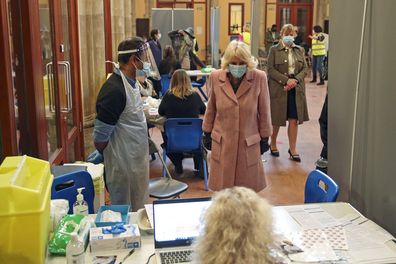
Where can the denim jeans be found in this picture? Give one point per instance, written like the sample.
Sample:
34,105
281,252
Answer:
317,66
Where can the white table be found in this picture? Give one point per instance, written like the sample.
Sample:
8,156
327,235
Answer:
197,73
140,255
282,221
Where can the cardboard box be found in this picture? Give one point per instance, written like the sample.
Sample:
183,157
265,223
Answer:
102,242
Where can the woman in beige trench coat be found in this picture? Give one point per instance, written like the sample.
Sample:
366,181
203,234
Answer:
238,118
286,71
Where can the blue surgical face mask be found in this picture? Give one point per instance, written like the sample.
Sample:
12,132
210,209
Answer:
146,67
288,40
237,70
140,75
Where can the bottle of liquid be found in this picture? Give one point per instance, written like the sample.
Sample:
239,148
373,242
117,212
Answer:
80,206
75,251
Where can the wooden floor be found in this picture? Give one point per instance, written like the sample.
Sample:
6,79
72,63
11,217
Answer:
285,178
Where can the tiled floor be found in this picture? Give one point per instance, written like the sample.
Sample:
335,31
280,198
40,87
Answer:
285,178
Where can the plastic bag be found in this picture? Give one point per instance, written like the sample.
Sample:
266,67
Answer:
59,208
110,216
62,235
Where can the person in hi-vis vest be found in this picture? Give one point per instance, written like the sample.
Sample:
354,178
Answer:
246,34
318,54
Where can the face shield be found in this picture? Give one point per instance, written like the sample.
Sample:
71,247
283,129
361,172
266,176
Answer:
145,55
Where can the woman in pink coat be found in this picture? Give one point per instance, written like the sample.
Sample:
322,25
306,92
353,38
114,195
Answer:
238,121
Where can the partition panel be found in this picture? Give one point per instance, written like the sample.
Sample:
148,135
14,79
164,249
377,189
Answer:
361,100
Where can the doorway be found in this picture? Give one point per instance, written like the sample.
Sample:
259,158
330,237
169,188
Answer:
60,64
298,13
46,98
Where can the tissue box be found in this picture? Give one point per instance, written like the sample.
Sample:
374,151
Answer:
102,242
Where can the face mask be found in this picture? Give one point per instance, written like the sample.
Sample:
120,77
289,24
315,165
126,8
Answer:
288,40
273,30
237,70
146,67
159,36
140,75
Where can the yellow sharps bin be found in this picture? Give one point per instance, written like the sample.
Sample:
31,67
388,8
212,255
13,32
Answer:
25,195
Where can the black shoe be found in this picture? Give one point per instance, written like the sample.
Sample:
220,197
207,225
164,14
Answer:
313,81
274,152
294,157
198,174
179,169
320,83
321,163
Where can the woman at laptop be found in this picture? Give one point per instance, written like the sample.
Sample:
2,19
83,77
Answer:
237,121
230,237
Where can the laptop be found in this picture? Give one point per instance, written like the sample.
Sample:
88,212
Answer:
176,224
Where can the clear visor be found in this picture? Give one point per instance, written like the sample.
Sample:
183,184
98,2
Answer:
146,56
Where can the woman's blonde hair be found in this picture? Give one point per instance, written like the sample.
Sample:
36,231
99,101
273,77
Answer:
238,49
237,229
287,29
180,84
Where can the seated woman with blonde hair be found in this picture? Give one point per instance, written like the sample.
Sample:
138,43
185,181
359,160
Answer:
237,229
181,101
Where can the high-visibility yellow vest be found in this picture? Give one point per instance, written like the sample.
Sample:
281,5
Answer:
318,47
246,37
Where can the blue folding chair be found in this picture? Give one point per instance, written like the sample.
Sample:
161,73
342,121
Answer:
184,135
165,83
315,193
199,86
65,187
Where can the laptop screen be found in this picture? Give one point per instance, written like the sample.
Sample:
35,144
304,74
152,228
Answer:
177,222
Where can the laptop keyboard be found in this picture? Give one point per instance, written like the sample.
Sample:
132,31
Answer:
176,256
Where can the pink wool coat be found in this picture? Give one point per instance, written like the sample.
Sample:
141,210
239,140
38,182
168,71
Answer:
237,123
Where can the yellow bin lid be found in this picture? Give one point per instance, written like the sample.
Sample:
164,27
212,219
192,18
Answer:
23,184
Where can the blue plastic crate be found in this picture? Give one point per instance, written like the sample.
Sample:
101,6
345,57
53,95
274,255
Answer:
123,209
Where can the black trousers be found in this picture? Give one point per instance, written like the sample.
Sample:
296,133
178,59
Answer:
177,158
323,128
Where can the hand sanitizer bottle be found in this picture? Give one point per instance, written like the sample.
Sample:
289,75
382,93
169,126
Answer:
80,206
75,251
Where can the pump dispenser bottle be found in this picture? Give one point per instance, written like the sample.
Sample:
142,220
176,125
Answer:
80,206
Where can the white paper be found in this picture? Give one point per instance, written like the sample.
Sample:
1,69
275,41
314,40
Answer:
321,252
365,239
150,213
308,239
365,227
336,235
311,217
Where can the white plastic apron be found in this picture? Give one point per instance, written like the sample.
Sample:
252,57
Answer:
126,155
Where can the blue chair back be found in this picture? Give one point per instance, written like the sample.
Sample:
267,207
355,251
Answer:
183,134
65,187
165,83
199,86
314,193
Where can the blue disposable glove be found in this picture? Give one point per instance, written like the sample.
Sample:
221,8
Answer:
115,229
95,157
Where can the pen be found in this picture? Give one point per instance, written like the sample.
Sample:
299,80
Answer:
130,253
